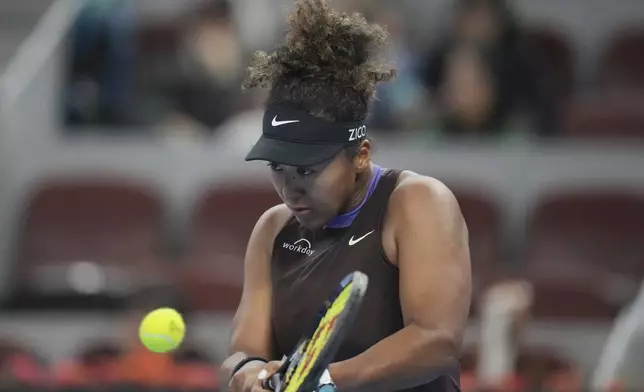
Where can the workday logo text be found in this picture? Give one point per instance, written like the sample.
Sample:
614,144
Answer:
300,246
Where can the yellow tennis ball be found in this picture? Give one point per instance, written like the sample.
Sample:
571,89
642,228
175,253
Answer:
162,330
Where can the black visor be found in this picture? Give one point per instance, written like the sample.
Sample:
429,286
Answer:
294,137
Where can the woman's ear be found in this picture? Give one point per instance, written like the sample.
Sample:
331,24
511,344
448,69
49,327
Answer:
363,157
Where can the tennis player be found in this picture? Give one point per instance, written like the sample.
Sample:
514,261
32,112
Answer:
342,213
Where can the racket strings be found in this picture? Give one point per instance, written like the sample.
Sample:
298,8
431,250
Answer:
302,370
318,342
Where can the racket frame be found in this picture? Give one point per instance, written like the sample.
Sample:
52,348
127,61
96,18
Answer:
359,284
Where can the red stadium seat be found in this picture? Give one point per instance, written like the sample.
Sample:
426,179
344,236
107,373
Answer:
86,231
483,219
570,299
220,229
585,253
622,64
606,116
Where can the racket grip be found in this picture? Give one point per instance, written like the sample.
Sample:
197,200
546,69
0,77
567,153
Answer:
271,383
268,384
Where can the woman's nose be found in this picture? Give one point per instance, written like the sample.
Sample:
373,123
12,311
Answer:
293,185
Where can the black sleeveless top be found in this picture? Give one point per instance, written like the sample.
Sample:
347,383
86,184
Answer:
307,265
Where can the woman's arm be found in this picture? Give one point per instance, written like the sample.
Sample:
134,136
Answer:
430,247
252,331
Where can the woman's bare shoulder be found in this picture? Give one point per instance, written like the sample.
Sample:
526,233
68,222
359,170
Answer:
271,223
411,183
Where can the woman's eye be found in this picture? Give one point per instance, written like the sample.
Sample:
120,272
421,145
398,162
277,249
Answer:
304,171
274,167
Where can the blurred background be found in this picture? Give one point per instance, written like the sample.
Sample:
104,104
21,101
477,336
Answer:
123,187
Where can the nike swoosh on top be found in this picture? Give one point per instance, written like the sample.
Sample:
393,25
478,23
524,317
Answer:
353,242
276,123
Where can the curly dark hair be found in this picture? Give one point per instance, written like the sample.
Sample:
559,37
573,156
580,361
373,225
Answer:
328,64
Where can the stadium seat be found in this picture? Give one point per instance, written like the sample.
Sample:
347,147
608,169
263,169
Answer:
86,237
622,63
483,219
220,228
570,299
585,253
616,115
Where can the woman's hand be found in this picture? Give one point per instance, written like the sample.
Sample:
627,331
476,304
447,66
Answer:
250,377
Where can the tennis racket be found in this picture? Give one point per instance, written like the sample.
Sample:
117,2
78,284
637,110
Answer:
302,370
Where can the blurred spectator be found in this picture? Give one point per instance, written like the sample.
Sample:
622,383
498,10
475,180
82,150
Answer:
621,66
468,93
620,365
239,132
192,89
483,74
504,310
399,103
101,64
502,362
198,87
259,22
